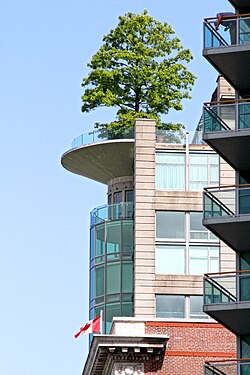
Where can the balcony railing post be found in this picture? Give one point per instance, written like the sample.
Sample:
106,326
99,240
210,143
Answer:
237,118
237,202
237,30
237,287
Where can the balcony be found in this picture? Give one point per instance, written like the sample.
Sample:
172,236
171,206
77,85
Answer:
101,156
227,214
228,367
228,48
118,211
227,130
227,300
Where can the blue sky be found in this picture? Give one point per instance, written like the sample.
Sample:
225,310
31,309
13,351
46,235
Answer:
45,46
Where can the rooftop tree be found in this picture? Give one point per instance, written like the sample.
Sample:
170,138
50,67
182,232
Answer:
140,70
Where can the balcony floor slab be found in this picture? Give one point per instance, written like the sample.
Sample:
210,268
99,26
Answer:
232,146
233,230
234,316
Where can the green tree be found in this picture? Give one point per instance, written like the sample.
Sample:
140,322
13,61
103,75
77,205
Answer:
139,70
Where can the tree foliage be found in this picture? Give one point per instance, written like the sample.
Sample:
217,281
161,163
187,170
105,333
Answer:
140,70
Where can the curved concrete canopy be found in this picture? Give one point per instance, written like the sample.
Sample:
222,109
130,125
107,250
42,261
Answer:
101,161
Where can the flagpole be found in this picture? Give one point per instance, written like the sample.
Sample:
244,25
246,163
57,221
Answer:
101,314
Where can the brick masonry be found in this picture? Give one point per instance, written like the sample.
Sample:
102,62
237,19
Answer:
190,345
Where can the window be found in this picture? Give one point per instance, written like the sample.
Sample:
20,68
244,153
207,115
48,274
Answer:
170,259
179,306
173,259
170,224
174,173
197,230
184,245
170,306
170,171
204,171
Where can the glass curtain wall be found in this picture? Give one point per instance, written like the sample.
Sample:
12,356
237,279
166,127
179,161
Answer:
111,269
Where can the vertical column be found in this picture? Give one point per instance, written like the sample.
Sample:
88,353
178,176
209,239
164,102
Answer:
144,218
227,255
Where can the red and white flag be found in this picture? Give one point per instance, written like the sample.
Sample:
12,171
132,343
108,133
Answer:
91,326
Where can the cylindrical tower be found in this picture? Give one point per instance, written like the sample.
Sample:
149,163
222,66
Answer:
108,161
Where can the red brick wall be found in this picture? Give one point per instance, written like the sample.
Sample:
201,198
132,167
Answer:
189,346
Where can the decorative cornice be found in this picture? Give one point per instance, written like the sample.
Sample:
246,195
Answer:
106,350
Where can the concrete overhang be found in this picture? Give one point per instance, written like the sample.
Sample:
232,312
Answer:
233,63
240,4
234,316
105,349
101,161
233,230
232,146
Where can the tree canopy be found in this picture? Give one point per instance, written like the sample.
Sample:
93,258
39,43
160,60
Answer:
139,70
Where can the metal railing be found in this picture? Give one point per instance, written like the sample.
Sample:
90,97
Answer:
228,367
226,287
231,200
124,210
226,115
233,30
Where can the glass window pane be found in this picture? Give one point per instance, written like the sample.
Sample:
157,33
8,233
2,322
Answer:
100,240
170,259
214,265
197,230
170,171
204,171
127,309
112,309
129,196
245,346
113,274
118,197
127,277
170,224
203,259
113,237
99,280
170,306
127,236
196,307
198,266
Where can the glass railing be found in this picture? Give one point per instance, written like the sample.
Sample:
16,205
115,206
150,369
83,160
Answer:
233,30
170,136
162,136
229,115
230,200
228,367
111,212
226,287
178,137
100,136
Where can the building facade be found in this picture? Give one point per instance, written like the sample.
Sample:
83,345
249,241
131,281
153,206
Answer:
226,207
149,250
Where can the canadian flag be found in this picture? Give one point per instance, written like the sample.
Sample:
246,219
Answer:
91,326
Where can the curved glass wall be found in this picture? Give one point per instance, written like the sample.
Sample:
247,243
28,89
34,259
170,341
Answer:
111,262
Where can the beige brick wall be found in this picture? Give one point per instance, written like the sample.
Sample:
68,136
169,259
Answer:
147,201
227,255
144,218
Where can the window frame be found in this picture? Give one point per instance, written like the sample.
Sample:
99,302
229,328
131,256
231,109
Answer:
188,243
186,305
186,178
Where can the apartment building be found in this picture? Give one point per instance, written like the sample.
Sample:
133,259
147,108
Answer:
149,251
226,207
